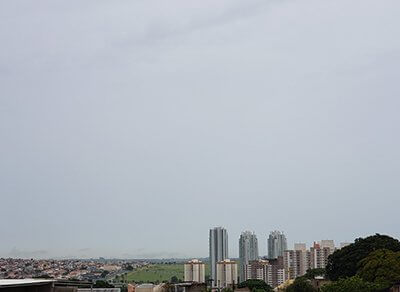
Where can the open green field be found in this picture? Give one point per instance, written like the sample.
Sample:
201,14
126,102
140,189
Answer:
157,273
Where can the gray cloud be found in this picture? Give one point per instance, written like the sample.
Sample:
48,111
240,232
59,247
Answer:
141,124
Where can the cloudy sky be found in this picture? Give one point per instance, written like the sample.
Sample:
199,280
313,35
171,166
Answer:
129,128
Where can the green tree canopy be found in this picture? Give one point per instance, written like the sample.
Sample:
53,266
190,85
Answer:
102,284
104,274
301,284
352,284
129,267
381,267
312,273
343,263
254,284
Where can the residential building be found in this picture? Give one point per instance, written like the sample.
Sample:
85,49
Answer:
327,243
147,287
296,262
257,269
227,274
271,272
194,271
318,282
300,246
277,244
248,251
218,242
277,274
395,287
319,255
187,287
131,288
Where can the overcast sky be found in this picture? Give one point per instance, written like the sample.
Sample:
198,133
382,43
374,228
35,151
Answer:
129,128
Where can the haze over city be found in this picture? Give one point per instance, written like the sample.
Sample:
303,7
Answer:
130,128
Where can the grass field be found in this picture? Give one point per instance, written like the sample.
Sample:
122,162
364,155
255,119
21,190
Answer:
156,273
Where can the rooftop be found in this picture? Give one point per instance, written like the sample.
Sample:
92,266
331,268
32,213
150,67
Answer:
146,285
23,282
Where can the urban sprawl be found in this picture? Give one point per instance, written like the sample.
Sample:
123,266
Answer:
277,267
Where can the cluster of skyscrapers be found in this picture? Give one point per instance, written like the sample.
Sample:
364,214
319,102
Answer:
280,264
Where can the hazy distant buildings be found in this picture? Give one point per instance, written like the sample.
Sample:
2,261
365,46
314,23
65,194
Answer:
277,244
227,274
194,271
248,251
218,241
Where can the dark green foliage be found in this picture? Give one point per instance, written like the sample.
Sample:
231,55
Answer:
129,267
301,284
381,267
258,290
254,284
312,273
352,284
174,280
102,284
343,263
104,274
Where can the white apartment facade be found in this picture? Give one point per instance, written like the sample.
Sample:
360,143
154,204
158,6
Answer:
227,274
272,274
194,271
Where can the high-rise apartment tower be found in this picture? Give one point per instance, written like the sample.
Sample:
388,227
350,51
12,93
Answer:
218,240
248,251
276,244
